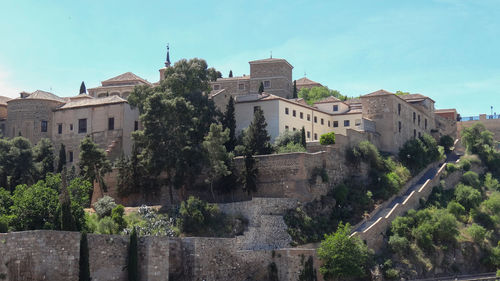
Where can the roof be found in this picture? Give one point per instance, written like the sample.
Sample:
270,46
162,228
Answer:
329,99
41,95
269,60
414,97
445,110
125,77
93,102
380,92
81,96
4,100
245,77
306,81
353,101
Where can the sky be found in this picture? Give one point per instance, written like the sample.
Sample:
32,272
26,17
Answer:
445,49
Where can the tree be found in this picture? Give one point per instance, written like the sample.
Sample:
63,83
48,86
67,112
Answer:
288,137
213,74
315,94
67,221
447,142
303,137
295,93
20,164
327,139
83,89
217,155
230,73
84,273
5,167
44,157
343,256
132,262
229,122
257,140
261,88
62,158
117,216
249,177
467,196
93,162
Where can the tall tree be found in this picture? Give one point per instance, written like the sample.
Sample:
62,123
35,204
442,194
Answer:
44,157
83,89
67,221
93,162
229,122
303,137
249,177
230,73
261,88
5,167
132,262
21,166
257,140
217,155
295,89
62,158
84,273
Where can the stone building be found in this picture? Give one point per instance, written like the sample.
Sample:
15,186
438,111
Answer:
3,114
31,115
121,85
307,83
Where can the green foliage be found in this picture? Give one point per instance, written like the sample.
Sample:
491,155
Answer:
288,137
256,139
229,122
327,139
104,206
457,210
308,273
343,256
93,162
391,273
316,94
133,258
67,220
492,204
467,196
477,233
447,142
399,244
4,224
261,88
117,216
272,272
61,162
295,93
43,155
106,225
418,153
303,137
450,167
18,162
491,183
470,178
5,201
290,147
249,175
148,222
367,152
84,273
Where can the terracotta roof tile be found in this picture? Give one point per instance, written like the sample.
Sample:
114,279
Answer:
93,102
306,81
127,76
378,93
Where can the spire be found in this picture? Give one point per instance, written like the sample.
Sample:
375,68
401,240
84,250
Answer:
167,62
83,89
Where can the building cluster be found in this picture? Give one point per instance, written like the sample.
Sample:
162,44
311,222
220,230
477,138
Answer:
105,115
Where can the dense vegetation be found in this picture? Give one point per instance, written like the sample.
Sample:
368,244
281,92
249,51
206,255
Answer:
316,94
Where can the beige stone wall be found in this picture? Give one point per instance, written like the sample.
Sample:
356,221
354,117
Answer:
3,111
232,85
328,107
121,90
25,117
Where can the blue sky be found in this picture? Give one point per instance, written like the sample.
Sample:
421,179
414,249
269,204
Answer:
448,50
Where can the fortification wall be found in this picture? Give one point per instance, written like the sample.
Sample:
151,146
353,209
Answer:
55,255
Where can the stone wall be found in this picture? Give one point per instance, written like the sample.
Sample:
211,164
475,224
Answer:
55,255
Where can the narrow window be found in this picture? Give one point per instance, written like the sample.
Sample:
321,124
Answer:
335,124
419,134
347,123
308,134
71,127
335,108
286,110
328,123
399,109
44,126
419,119
315,119
136,125
70,156
59,129
294,113
322,121
308,117
286,127
82,126
267,84
399,126
301,115
294,129
414,117
111,123
315,136
414,133
425,123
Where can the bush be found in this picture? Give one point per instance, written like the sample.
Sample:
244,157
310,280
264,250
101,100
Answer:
327,139
467,196
288,137
457,210
117,217
391,273
464,164
492,204
4,224
197,215
106,226
367,152
290,147
472,179
447,142
104,206
477,233
450,167
399,244
490,182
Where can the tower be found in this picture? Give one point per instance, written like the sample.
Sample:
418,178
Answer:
167,64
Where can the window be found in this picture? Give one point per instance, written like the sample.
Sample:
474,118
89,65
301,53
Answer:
294,113
425,123
399,109
267,84
414,133
255,108
419,134
301,115
136,125
82,126
414,117
335,124
59,129
315,119
44,126
347,123
357,122
111,123
286,127
241,86
328,123
71,127
399,126
294,129
315,136
308,117
216,87
308,134
70,156
286,110
419,119
336,108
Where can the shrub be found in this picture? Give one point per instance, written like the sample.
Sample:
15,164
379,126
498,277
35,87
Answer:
402,226
327,139
367,152
447,142
399,244
456,209
423,235
391,273
450,167
472,179
464,164
117,217
104,206
467,196
492,204
197,215
288,137
5,201
477,233
4,224
106,226
290,147
490,182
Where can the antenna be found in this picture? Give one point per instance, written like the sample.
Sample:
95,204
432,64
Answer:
271,54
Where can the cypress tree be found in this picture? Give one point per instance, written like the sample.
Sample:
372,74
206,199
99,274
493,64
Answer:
257,140
250,173
261,88
62,158
230,73
229,122
83,89
67,221
133,273
303,137
84,274
295,89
